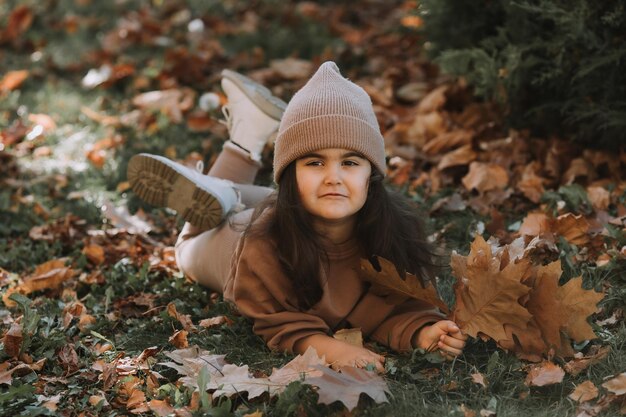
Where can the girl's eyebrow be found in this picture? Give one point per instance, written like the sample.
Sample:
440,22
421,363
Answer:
345,155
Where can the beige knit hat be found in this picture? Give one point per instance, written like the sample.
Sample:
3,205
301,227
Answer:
328,112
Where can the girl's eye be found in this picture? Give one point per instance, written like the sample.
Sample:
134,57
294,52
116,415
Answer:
350,163
314,163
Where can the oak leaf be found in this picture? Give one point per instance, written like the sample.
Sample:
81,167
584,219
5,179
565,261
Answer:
487,297
561,312
235,379
300,367
387,283
348,385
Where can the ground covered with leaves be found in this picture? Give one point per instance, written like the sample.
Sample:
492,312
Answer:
97,320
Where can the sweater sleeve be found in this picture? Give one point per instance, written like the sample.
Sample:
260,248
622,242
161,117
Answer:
398,328
262,292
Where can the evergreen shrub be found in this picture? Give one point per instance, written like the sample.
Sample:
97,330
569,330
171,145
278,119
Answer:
555,66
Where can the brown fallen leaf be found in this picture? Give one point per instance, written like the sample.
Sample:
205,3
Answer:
448,141
19,21
161,408
599,197
172,102
487,297
353,337
479,379
292,68
531,184
616,385
12,80
184,319
485,176
179,339
573,228
94,254
585,391
215,321
546,373
434,101
68,358
535,224
461,156
388,283
51,403
348,386
13,340
137,402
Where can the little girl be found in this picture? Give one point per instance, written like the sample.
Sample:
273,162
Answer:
294,270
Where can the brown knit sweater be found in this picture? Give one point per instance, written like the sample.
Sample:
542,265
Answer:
262,292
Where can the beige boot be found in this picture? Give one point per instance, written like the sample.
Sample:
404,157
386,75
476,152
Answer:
252,112
201,200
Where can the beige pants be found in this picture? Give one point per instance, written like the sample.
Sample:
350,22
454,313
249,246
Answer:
204,255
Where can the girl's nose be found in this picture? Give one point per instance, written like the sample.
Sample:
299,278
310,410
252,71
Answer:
333,174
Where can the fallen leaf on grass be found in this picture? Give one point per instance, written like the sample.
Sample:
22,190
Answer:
13,340
161,408
12,80
215,321
179,339
479,379
348,385
300,367
292,68
235,379
584,391
461,156
20,19
184,319
94,254
484,177
388,283
616,385
172,102
49,275
546,373
51,403
94,400
137,402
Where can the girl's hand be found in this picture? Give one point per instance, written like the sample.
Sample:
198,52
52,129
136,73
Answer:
444,335
349,355
339,354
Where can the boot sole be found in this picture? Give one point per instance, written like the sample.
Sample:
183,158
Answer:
161,185
261,96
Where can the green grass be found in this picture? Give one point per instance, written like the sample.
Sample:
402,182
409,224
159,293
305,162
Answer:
419,385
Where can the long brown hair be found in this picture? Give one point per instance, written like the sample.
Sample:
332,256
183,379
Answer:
387,226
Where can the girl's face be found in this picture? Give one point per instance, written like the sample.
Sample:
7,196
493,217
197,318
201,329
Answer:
333,183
